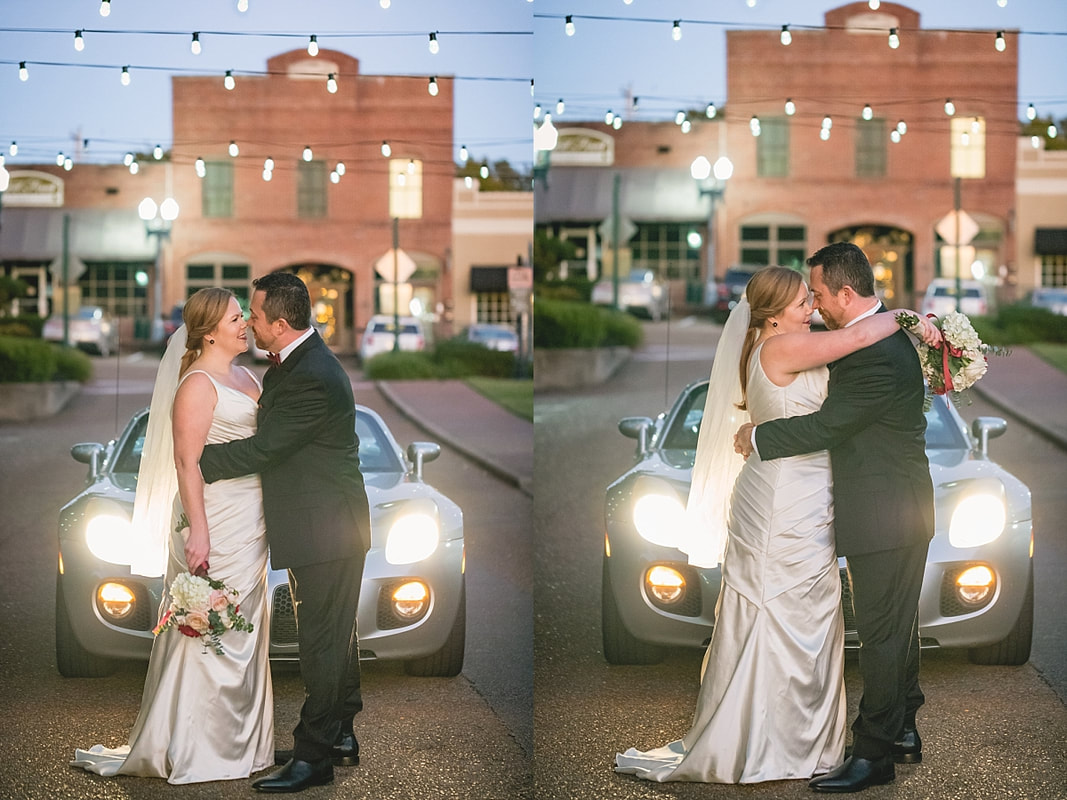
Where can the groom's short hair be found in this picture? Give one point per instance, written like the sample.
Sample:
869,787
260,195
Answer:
286,298
844,264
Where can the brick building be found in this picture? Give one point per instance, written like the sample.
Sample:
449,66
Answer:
793,190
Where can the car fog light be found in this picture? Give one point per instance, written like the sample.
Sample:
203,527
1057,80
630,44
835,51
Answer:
665,584
410,599
974,585
115,599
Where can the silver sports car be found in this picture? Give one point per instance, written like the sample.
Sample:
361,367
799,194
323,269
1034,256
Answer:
412,603
978,589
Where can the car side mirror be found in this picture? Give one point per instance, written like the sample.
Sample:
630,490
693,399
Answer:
636,428
986,428
88,453
419,453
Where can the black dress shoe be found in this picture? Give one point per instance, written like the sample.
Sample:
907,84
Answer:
908,748
855,775
296,776
345,752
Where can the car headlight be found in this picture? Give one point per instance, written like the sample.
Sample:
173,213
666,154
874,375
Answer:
412,537
658,513
978,519
109,536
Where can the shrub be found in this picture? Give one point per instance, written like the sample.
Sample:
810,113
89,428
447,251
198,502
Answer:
458,358
14,328
559,324
72,365
577,289
1021,324
26,360
404,365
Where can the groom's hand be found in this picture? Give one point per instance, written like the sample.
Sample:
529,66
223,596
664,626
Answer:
743,440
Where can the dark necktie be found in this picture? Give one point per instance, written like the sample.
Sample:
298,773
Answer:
274,359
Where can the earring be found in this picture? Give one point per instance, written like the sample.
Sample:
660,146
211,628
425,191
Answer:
774,324
212,341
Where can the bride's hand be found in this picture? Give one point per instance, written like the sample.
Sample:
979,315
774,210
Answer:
197,547
743,440
931,334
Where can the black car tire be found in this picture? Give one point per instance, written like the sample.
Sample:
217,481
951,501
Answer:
1013,649
621,646
448,661
73,660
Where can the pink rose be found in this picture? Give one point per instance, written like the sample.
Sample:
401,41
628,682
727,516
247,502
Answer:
218,600
198,621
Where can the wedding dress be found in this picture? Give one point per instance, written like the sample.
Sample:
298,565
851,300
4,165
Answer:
209,717
771,704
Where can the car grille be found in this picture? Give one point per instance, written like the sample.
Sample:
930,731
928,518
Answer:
282,617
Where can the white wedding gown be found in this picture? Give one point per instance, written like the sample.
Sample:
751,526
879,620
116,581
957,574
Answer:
772,696
208,717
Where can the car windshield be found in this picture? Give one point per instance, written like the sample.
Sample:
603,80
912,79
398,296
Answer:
389,327
679,444
376,453
950,291
88,313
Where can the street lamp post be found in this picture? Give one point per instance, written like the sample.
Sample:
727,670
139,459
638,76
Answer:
711,183
157,224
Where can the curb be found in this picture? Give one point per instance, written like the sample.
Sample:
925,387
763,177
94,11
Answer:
486,462
1012,411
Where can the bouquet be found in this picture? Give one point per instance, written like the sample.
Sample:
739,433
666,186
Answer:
960,360
202,607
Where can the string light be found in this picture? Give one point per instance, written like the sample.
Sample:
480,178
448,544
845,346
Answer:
569,25
435,46
868,112
463,154
242,6
965,138
750,3
201,169
334,177
874,4
267,174
999,43
1002,3
432,87
340,168
228,81
127,159
307,154
786,37
157,152
194,45
386,149
14,149
895,136
790,107
754,126
411,166
559,107
537,111
135,168
824,134
125,78
827,122
1035,142
1052,132
68,163
24,74
468,181
711,111
384,3
531,87
902,127
268,164
59,159
616,123
1031,112
950,107
234,149
105,8
894,39
79,42
976,125
313,46
634,104
331,83
676,30
687,126
679,118
484,171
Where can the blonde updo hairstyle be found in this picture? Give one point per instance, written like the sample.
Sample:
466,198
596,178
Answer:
769,291
202,314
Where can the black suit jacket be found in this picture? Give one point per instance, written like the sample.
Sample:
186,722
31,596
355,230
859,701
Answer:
873,425
307,454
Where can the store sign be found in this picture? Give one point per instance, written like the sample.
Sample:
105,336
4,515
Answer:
583,147
30,188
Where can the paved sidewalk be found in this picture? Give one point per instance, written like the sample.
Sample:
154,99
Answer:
1030,390
466,421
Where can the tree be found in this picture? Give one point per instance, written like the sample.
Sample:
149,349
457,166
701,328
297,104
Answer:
549,251
1039,127
10,288
502,177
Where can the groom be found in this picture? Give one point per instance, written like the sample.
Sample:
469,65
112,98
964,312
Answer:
872,423
318,520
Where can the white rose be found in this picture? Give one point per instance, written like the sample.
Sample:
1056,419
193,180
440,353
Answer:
971,372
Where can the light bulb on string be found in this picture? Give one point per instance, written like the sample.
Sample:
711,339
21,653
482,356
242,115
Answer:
827,123
609,117
824,134
157,152
435,46
537,111
874,4
386,149
105,8
568,26
965,138
711,111
628,2
1035,142
201,168
686,126
307,155
228,81
125,77
750,3
79,42
331,83
313,46
790,107
268,164
127,159
950,107
68,163
635,103
894,39
432,87
1002,3
1031,112
14,149
484,171
24,74
194,45
463,154
59,158
340,168
616,123
411,166
559,107
976,125
868,112
895,136
268,174
676,30
233,149
384,3
902,127
1052,132
754,126
531,87
468,181
135,168
786,38
679,118
334,177
999,42
242,6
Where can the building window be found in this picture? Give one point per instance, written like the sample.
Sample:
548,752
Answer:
665,249
968,147
405,188
121,287
216,189
772,148
1054,270
235,277
871,147
494,307
774,244
311,189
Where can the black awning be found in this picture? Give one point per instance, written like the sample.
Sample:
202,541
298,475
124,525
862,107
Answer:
1050,242
489,279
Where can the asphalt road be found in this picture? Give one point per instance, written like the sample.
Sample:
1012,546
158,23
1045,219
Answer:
465,737
989,732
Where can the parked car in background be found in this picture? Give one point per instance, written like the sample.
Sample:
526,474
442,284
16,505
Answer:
411,607
90,327
494,337
940,297
174,321
978,589
381,332
1053,299
640,292
723,294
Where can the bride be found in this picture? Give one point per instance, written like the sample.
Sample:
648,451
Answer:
203,717
771,704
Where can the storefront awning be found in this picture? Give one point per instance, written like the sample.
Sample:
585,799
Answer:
489,279
36,234
584,194
1050,242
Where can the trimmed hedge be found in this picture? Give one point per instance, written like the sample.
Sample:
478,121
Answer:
1021,324
34,361
455,358
559,324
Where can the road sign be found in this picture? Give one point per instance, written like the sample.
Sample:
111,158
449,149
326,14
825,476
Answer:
520,278
947,227
405,266
627,229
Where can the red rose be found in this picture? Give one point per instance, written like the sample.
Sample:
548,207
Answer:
190,632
